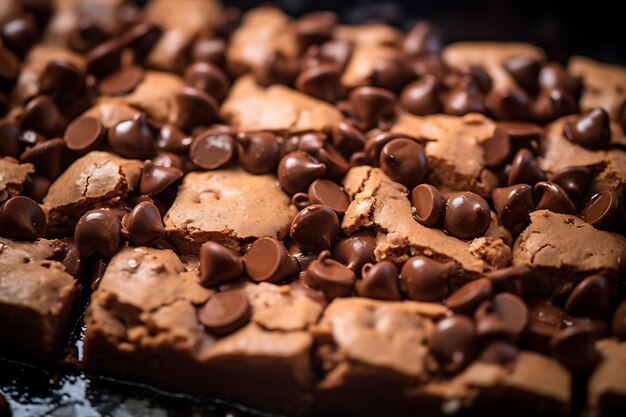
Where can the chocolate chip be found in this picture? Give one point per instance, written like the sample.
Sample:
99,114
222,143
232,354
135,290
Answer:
404,161
276,69
30,138
169,160
315,28
356,250
463,99
218,264
329,194
332,52
84,134
300,200
421,97
268,260
336,164
499,352
513,279
9,66
208,78
258,153
574,347
329,276
155,178
513,205
62,80
467,298
525,71
511,104
98,233
591,130
172,139
225,312
545,321
497,149
22,218
552,197
36,187
425,279
133,138
392,73
315,228
66,252
428,203
506,315
379,281
454,342
121,82
591,296
602,210
524,169
552,103
105,58
48,158
467,215
347,138
141,38
212,149
297,170
573,180
43,116
19,35
371,104
321,82
618,324
212,51
9,140
144,225
422,39
195,108
622,261
553,75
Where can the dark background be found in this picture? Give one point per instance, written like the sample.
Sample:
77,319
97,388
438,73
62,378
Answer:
594,28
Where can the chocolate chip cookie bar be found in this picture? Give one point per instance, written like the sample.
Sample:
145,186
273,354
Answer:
303,217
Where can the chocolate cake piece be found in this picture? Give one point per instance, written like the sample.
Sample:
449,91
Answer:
13,175
607,386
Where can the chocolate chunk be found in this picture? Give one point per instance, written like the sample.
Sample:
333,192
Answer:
48,157
84,134
22,218
574,347
212,51
36,187
454,342
552,197
404,161
315,28
62,80
421,97
591,296
321,82
573,180
258,153
98,233
371,104
208,78
66,252
315,228
268,260
422,39
133,138
121,82
513,205
155,178
506,315
218,264
195,108
499,352
511,104
428,203
425,279
225,312
43,116
356,250
618,324
524,169
10,140
19,35
467,215
171,139
592,130
212,149
297,170
392,73
276,69
347,138
144,225
525,71
329,276
467,298
379,281
105,58
602,210
553,75
329,194
552,103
